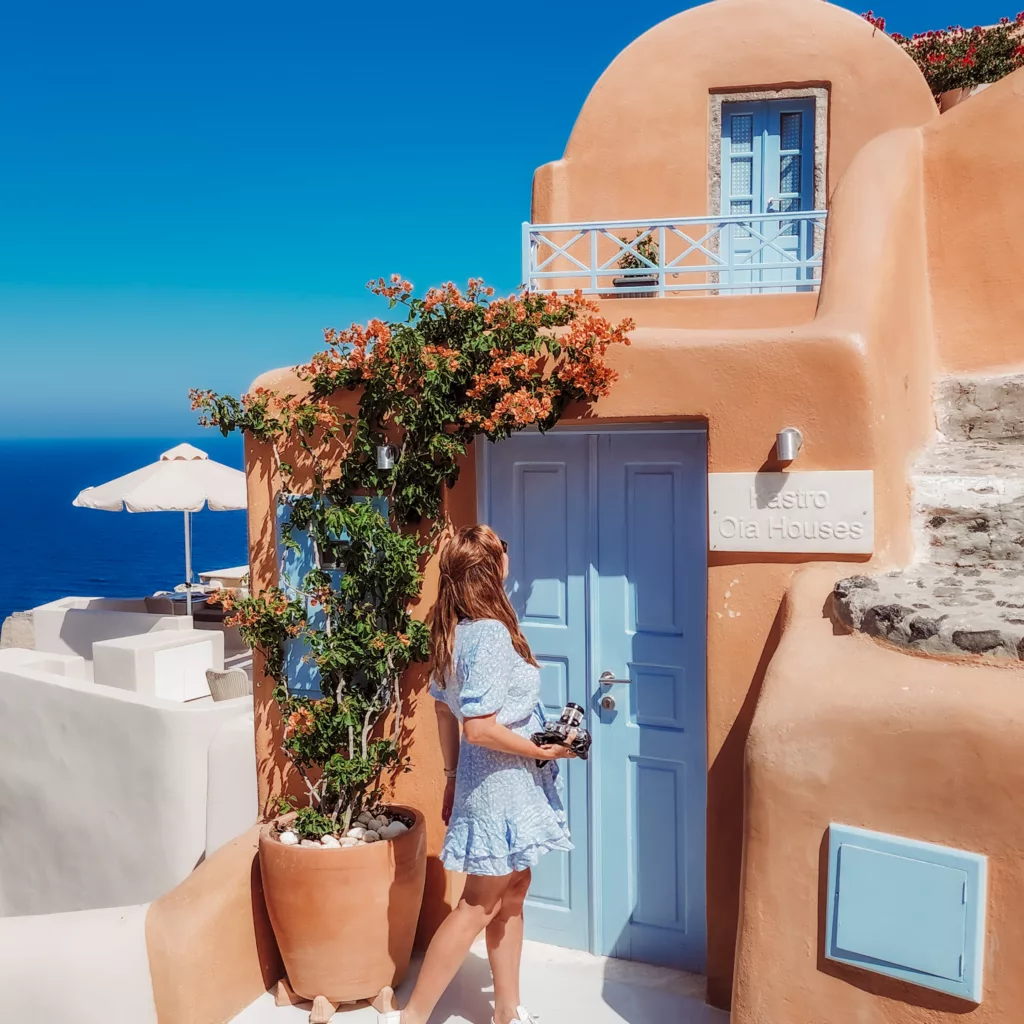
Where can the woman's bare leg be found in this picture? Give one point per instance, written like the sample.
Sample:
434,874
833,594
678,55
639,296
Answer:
448,948
505,947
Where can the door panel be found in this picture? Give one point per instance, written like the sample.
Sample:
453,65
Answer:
789,185
650,609
536,494
607,552
767,167
743,130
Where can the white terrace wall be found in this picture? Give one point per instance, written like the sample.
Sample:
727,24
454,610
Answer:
71,625
104,793
90,967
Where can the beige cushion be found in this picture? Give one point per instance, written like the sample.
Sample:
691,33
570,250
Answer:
157,605
235,682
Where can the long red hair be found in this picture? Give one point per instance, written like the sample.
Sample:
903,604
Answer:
471,587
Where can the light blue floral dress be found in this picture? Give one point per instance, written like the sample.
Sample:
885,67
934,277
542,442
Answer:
507,811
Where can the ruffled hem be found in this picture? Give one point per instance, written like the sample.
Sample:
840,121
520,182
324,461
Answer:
479,847
517,860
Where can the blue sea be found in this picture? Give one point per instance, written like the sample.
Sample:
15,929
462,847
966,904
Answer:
50,549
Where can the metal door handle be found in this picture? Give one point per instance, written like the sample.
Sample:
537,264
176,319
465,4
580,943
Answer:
608,679
608,702
771,202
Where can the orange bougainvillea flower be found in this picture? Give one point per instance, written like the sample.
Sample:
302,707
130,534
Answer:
299,723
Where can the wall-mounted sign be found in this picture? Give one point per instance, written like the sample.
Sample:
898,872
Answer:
830,512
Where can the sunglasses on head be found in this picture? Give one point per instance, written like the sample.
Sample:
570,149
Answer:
504,545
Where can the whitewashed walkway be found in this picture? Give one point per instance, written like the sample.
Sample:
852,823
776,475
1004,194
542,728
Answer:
559,986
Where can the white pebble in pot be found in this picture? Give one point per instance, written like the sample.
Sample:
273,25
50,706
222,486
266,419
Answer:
288,839
370,837
348,841
356,833
330,842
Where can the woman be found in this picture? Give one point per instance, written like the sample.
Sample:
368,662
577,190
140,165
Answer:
502,811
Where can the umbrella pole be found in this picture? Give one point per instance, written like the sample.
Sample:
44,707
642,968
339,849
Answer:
188,564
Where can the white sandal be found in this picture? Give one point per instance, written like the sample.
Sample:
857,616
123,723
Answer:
523,1016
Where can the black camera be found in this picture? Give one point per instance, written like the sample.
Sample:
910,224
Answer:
558,733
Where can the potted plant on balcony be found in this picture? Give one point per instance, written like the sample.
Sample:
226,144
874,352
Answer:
343,868
641,259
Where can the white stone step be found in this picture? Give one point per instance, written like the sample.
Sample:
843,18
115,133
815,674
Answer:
969,502
965,593
980,408
558,985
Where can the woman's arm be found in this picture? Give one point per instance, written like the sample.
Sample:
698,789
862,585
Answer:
486,732
448,731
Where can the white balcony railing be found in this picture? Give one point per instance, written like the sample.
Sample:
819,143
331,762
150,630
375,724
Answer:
730,254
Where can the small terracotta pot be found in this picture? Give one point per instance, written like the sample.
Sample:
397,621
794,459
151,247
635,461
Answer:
345,919
953,97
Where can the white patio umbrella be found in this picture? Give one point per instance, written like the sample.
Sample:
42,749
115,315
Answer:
184,480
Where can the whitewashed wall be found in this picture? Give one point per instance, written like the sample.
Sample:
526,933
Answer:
104,793
89,967
70,625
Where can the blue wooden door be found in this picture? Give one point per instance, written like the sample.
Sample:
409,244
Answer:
649,636
767,167
536,498
607,553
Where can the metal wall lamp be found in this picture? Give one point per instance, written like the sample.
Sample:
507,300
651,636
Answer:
788,443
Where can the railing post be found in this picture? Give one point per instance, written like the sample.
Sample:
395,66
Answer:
593,260
528,258
661,262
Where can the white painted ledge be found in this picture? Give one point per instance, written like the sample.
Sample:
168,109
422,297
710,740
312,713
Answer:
232,801
89,967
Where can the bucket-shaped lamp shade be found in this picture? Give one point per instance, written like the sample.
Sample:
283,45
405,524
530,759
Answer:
788,442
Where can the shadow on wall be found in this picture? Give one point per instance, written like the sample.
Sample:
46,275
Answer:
725,806
875,984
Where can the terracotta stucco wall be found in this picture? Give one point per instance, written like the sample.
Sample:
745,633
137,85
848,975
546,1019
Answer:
210,945
848,730
974,170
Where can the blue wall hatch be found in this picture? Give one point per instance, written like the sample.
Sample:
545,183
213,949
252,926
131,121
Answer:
907,909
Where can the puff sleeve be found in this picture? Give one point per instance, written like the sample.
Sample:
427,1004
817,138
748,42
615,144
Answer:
487,668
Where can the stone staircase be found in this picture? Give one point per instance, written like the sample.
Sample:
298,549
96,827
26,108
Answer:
964,594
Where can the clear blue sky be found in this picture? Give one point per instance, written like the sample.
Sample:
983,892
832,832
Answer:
190,192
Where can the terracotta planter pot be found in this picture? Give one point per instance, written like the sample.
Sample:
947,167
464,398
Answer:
345,919
950,99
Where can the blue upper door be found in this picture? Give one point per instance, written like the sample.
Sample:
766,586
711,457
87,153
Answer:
607,552
768,167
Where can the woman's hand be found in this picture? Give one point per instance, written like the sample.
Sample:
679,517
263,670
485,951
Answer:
449,801
553,752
